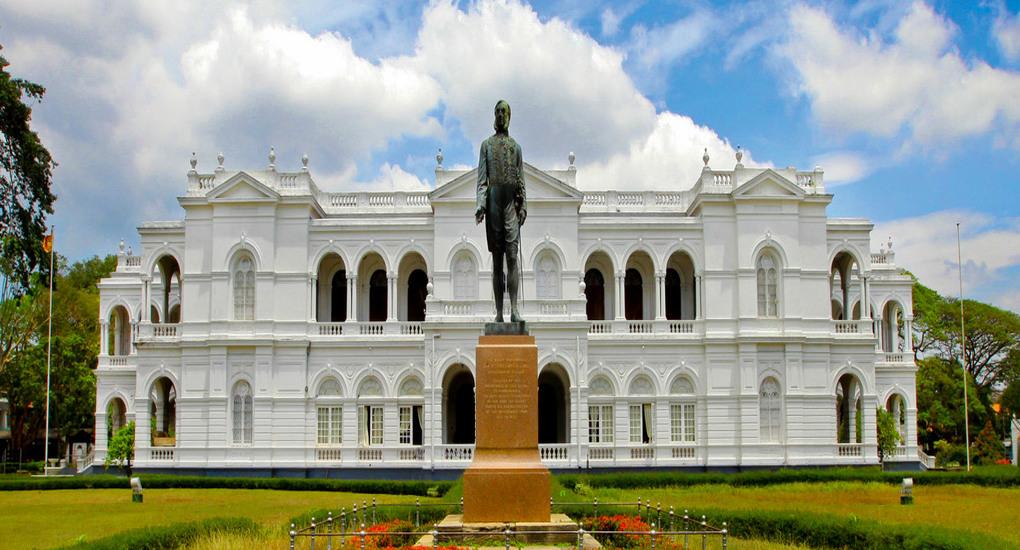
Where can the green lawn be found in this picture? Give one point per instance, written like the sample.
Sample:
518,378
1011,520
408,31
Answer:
44,519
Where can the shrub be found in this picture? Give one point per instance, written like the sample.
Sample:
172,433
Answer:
167,536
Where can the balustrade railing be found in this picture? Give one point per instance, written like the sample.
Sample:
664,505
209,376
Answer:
161,455
642,453
366,454
329,454
852,327
683,452
457,452
554,452
331,329
373,328
601,453
640,327
681,327
413,454
410,328
896,357
600,327
849,449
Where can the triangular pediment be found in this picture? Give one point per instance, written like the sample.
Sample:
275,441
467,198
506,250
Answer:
242,187
769,184
540,185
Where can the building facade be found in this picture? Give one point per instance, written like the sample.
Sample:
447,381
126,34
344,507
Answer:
280,327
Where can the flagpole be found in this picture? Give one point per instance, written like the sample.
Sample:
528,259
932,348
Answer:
49,348
963,354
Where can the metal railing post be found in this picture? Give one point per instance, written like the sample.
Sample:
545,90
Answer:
293,535
671,518
364,511
374,521
462,505
417,512
329,531
506,536
313,533
725,535
653,538
435,536
362,535
658,513
596,506
580,538
704,537
685,529
343,526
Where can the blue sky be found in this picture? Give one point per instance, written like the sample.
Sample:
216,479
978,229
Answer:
909,107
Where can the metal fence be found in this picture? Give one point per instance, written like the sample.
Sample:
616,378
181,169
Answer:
348,528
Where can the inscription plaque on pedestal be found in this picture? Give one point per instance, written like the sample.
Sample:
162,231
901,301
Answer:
506,481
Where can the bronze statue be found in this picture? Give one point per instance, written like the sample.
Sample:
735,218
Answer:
502,204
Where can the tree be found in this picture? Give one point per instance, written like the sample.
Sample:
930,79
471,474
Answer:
122,447
940,400
25,175
987,447
888,434
993,334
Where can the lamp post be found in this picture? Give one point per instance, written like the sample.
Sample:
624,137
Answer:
963,352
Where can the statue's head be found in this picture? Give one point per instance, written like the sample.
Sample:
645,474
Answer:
502,112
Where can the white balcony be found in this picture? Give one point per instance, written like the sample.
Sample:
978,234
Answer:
687,328
853,328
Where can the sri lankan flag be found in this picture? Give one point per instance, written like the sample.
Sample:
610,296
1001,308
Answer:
47,243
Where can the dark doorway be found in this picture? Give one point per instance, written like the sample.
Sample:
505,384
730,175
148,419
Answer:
633,296
595,295
674,304
460,409
416,428
417,291
552,408
377,296
338,297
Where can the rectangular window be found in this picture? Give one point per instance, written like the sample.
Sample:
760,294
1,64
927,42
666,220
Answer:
370,425
329,426
600,424
641,423
405,425
681,425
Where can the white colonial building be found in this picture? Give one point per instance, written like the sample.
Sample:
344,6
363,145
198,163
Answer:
277,327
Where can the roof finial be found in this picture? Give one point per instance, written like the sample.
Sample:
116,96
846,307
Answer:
439,158
571,158
304,162
194,161
705,157
740,156
272,158
219,160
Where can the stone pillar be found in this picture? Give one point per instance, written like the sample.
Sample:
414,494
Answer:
146,308
391,296
104,336
619,314
352,297
909,330
698,314
865,307
660,296
313,298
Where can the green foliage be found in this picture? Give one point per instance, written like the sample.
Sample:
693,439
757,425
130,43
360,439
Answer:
940,401
155,481
950,455
987,447
888,433
121,451
985,476
25,175
824,531
170,536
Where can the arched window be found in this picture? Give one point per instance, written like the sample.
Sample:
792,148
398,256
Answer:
465,282
633,295
600,411
329,414
681,410
338,297
768,281
547,277
377,287
241,413
417,292
770,410
244,289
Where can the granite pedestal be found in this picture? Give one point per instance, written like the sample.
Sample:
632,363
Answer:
506,481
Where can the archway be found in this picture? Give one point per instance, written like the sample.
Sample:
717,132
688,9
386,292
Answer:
842,275
116,417
458,406
377,296
599,290
417,291
639,287
680,287
849,410
633,306
169,284
373,291
553,405
119,332
163,412
331,290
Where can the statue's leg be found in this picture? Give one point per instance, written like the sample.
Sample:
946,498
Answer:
513,278
498,283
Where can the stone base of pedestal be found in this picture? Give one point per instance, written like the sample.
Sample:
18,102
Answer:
556,529
501,491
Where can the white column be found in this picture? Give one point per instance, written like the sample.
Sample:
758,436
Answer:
619,295
352,297
660,296
909,329
134,337
104,338
698,314
391,296
313,299
146,308
865,310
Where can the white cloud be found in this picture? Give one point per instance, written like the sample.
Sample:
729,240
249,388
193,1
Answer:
842,167
1006,30
926,245
661,46
669,158
916,82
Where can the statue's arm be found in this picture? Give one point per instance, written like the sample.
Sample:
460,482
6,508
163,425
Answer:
483,184
522,193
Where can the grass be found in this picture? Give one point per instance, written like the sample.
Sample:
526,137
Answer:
44,519
966,508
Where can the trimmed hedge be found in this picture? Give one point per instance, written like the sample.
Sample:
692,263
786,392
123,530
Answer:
167,537
824,531
387,487
1007,476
